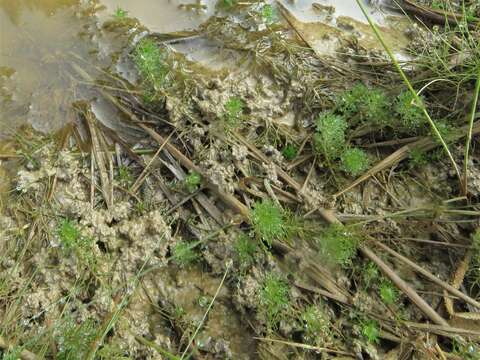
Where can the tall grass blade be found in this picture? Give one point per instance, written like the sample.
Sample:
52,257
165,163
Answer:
470,131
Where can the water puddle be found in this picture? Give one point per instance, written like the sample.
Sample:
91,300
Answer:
163,15
38,38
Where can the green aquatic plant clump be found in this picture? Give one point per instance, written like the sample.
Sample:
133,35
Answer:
289,152
369,105
410,114
370,331
339,244
370,274
329,140
74,340
73,242
120,13
69,234
388,292
150,61
226,4
355,161
192,181
316,325
274,298
269,222
233,111
183,254
268,14
245,250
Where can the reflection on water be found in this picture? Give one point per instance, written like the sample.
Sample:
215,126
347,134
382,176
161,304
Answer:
164,15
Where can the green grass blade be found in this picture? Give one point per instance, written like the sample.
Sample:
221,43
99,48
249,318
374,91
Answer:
470,131
417,98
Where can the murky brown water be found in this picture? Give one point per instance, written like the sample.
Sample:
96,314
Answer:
40,38
36,37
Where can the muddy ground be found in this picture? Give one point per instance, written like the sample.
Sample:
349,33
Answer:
221,218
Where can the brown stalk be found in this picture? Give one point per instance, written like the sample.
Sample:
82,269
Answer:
230,200
430,276
401,284
407,289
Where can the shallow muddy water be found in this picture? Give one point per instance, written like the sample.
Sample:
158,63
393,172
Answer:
36,37
40,38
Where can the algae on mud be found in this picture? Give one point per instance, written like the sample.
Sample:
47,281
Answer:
115,247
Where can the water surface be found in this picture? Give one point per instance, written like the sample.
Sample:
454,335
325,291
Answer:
39,39
36,40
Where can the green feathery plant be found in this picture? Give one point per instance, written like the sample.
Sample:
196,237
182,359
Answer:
226,4
354,161
183,254
339,244
72,241
368,105
388,292
69,234
74,340
289,152
125,176
417,99
370,331
370,274
330,139
316,325
150,61
270,222
411,116
233,111
192,181
274,298
268,14
120,13
245,250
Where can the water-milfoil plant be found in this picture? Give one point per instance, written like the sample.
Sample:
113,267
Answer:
245,249
354,161
73,242
329,140
370,331
339,244
364,104
150,61
274,298
289,152
120,13
415,96
388,292
68,234
183,254
233,111
74,339
316,325
192,181
409,113
270,222
268,14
